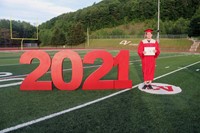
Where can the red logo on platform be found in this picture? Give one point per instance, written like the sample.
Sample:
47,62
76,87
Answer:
167,88
160,88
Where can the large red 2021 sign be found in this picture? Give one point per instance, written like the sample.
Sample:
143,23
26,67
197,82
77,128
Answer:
92,82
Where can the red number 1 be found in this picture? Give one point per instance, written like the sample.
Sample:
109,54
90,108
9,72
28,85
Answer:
122,62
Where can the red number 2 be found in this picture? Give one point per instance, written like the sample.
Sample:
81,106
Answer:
30,82
93,82
121,60
57,70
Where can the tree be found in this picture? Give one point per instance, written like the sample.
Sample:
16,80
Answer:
194,28
75,34
58,37
181,26
19,30
5,39
112,13
45,37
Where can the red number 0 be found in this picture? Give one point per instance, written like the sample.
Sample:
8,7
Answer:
57,70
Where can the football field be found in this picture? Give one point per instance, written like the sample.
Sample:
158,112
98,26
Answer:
102,111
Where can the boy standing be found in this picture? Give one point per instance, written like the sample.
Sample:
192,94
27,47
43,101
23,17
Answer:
148,50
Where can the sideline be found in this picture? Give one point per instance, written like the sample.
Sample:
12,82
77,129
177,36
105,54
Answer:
85,104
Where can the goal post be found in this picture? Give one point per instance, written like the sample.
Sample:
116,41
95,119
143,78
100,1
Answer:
22,39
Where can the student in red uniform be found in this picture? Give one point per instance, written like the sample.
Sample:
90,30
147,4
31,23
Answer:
148,50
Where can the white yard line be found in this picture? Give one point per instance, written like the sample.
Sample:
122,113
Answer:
38,62
16,64
17,76
84,105
176,70
131,62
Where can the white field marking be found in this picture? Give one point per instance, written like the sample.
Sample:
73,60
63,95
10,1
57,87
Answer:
35,62
198,70
5,74
10,77
176,70
167,67
49,50
131,62
38,62
11,84
52,50
16,76
83,105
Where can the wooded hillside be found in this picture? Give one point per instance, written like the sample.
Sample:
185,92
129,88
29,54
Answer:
177,17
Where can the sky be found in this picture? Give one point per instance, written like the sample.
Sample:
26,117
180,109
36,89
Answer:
39,11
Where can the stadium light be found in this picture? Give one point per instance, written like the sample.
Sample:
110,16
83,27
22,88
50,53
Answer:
88,37
158,28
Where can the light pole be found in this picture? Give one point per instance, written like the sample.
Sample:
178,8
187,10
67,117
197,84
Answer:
88,37
158,28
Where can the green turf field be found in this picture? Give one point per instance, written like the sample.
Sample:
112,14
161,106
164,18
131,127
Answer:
130,111
166,44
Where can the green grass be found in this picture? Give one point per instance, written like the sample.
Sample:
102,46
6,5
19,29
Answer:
181,44
111,43
132,111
